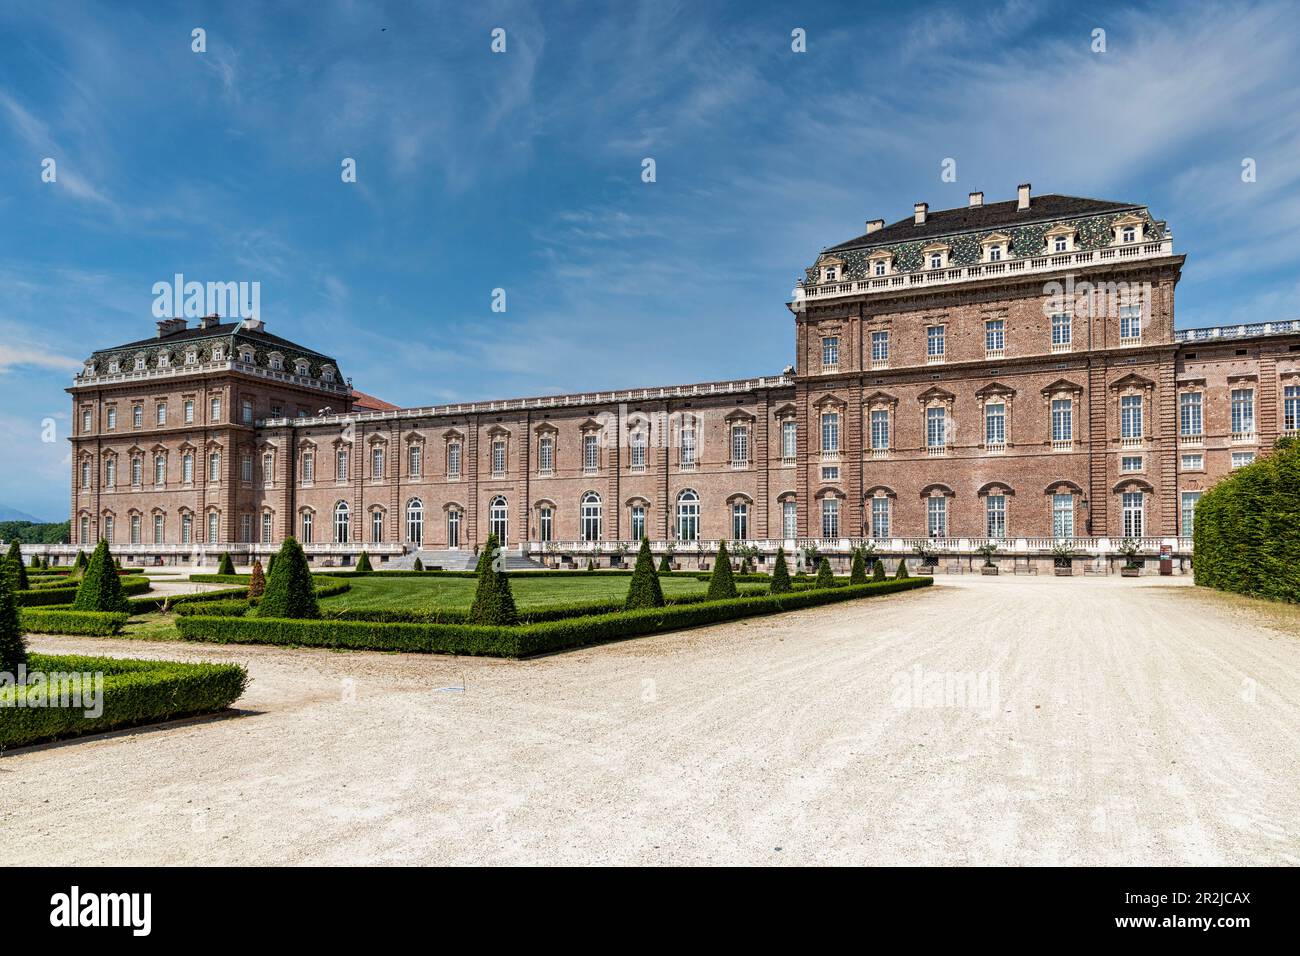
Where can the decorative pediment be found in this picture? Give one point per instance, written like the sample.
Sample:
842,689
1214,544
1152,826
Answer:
412,437
498,431
880,398
995,238
1132,380
1062,230
1062,385
880,491
453,434
541,503
637,500
548,428
590,425
829,260
135,450
937,489
186,446
376,438
886,254
936,394
935,247
306,444
785,411
739,415
159,449
830,491
996,488
829,400
1132,484
995,390
1130,219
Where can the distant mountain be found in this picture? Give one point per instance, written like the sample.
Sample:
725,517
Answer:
13,514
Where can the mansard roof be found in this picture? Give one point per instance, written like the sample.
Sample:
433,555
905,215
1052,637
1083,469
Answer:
948,222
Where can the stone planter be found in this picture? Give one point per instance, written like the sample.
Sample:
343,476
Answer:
1064,572
925,569
1130,572
989,569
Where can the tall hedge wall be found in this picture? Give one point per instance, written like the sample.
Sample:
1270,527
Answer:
1246,535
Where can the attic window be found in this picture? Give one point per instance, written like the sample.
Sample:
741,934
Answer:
140,363
327,373
996,247
880,267
1128,234
302,367
1129,229
830,273
936,260
246,356
277,361
218,353
113,367
191,356
1060,244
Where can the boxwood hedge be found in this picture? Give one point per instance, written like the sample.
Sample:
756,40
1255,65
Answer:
134,692
522,640
89,623
1246,536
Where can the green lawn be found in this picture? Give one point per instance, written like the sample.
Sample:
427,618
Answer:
433,591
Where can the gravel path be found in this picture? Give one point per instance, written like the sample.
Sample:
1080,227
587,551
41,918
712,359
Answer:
986,721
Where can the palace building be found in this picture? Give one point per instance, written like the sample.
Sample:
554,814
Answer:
1006,371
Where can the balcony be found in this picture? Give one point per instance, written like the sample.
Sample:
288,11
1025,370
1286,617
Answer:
879,453
877,363
1243,438
637,469
740,464
789,461
1059,347
995,353
935,359
1191,441
1032,265
1127,340
937,451
831,454
1062,444
1137,442
686,466
995,447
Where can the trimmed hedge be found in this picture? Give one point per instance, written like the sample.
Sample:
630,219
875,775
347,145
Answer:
101,588
230,608
151,604
43,597
85,623
520,641
135,692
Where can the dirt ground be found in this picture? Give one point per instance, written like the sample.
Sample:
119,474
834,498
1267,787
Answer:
985,721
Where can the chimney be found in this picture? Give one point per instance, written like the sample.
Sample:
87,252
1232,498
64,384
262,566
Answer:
208,321
976,199
875,225
254,325
1022,196
918,212
170,327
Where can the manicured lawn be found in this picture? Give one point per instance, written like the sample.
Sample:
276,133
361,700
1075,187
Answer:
428,593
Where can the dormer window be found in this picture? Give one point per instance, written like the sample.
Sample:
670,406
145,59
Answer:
327,373
1060,239
140,362
1128,234
1129,229
880,262
191,356
996,247
114,367
935,256
995,253
936,260
277,361
302,367
879,268
246,356
830,273
218,353
163,359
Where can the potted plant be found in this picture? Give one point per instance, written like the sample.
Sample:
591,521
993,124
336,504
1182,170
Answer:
810,555
620,552
1132,566
1063,559
988,550
926,554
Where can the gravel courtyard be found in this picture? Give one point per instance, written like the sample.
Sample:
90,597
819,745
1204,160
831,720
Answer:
984,721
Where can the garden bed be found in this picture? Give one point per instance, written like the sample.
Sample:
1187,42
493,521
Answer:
522,640
133,693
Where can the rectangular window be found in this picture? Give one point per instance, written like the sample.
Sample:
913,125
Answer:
137,416
161,414
306,527
830,351
108,527
266,527
1243,412
1062,420
1130,416
188,410
499,457
308,466
789,519
995,335
187,528
112,417
1062,332
789,441
214,409
546,454
1189,511
246,528
831,473
1062,516
85,474
137,472
995,424
740,521
638,451
135,529
1194,462
830,518
413,460
936,517
936,421
214,527
545,524
246,468
453,460
187,468
246,411
879,349
110,472
268,468
158,529
1241,459
1133,514
934,342
85,531
376,526
1189,414
376,462
590,453
880,429
995,510
830,433
1130,463
880,517
687,454
341,465
160,470
1130,323
739,445
638,522
1291,408
87,419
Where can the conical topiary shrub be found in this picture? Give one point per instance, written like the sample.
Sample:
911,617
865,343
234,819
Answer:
13,649
858,570
270,566
645,589
225,565
101,588
36,561
14,567
902,569
78,567
722,584
780,575
256,581
591,564
290,591
494,602
878,572
363,563
825,576
418,565
665,566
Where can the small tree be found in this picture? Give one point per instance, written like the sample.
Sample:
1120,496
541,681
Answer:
36,561
825,576
591,564
226,565
988,549
13,649
363,563
494,602
290,591
645,589
878,572
14,568
78,567
721,583
902,569
256,581
780,575
665,566
858,570
418,565
101,588
1129,549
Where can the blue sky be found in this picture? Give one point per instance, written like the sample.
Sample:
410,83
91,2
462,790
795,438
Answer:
522,171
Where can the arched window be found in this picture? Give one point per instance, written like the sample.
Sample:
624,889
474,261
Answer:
497,514
688,516
415,520
341,535
591,516
377,525
307,517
